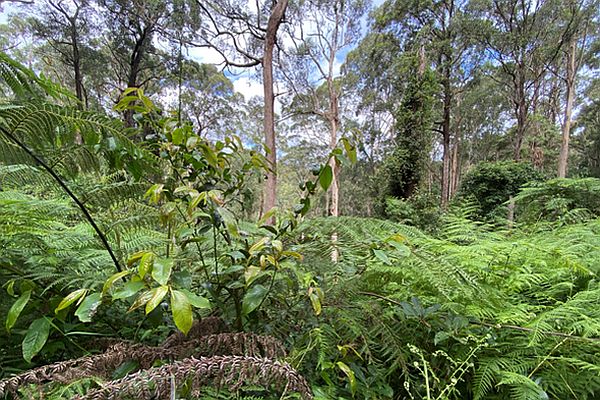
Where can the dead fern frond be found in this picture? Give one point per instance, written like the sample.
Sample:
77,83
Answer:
231,372
103,365
205,326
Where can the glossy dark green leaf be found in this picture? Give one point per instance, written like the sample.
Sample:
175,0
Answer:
88,307
253,298
36,338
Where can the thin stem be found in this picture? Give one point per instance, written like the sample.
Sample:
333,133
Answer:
63,185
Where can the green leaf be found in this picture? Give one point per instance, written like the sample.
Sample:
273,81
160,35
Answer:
380,254
210,155
350,374
178,136
36,338
10,287
70,299
88,307
146,263
326,177
15,310
161,271
196,300
251,273
316,297
182,311
110,281
229,220
157,294
128,290
141,300
253,298
126,368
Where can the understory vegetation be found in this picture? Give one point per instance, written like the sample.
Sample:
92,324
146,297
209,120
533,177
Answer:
136,269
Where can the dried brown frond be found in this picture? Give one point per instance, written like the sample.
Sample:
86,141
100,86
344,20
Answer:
232,372
205,326
103,365
233,344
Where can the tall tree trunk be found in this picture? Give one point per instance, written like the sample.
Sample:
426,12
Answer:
446,141
454,175
566,129
521,110
334,189
79,91
270,198
135,63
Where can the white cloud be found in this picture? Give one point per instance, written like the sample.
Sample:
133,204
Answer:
205,55
248,87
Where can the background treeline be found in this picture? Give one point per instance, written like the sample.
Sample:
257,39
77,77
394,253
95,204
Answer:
428,88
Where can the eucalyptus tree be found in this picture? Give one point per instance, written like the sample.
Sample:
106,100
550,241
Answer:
245,35
581,20
129,39
434,30
520,38
323,32
65,24
206,97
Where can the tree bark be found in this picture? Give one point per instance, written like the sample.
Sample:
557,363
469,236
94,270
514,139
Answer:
454,175
566,129
446,141
522,111
135,62
270,198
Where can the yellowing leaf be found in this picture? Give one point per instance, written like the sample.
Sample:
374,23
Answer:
141,300
146,263
70,299
182,311
349,374
251,273
157,295
110,281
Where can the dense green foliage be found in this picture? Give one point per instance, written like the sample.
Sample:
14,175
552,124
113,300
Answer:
139,258
492,185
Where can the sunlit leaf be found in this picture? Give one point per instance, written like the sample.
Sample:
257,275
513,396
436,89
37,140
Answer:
182,311
70,299
161,271
157,295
